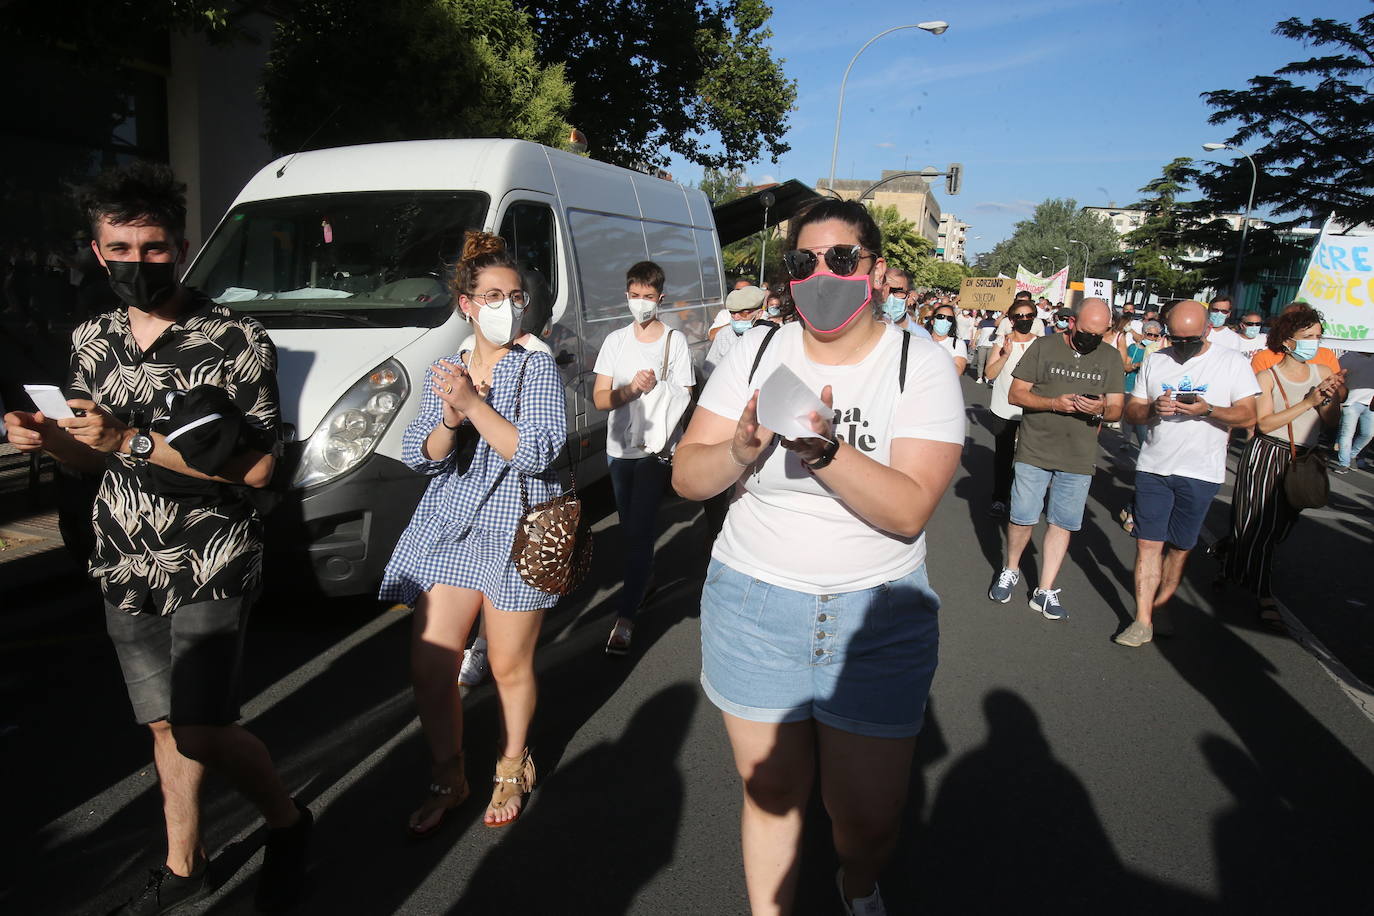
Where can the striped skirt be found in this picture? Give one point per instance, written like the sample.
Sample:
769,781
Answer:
1261,517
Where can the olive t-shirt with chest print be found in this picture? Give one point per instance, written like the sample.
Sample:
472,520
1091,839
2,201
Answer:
1064,441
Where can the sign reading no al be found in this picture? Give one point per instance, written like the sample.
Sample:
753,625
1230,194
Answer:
988,293
1097,289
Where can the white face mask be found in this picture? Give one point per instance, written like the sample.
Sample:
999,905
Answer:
498,322
642,309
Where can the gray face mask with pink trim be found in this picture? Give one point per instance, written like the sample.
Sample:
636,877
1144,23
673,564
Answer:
828,303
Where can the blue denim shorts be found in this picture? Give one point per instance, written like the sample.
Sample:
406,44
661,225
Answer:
1068,495
1172,509
861,661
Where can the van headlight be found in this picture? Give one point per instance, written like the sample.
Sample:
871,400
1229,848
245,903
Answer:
354,425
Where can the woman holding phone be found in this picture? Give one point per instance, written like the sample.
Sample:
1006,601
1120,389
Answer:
819,627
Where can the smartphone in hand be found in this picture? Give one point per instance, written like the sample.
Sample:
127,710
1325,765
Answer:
1187,397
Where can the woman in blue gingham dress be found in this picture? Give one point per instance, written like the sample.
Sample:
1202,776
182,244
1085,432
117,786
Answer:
453,561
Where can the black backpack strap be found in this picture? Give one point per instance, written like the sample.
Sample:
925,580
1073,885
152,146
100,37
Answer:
901,373
758,357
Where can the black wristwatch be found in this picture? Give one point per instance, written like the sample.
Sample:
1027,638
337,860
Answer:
141,445
827,456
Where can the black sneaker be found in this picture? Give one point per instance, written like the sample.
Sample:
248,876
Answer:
283,865
166,891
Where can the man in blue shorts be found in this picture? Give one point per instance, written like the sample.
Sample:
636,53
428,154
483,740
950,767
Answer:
1190,395
1066,385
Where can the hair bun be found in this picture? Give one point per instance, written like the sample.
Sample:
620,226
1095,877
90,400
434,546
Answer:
480,244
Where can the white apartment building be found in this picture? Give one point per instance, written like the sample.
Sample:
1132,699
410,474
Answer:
949,238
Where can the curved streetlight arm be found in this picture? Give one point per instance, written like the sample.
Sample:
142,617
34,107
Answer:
928,173
839,110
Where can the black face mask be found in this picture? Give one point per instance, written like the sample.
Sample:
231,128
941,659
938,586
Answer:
1084,342
1023,325
1184,350
142,285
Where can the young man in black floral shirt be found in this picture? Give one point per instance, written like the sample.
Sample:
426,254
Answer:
178,552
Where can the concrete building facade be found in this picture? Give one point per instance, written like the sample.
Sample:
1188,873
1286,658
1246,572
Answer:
911,195
950,237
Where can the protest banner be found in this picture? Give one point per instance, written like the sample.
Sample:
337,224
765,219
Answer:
1339,283
989,293
1053,287
1094,288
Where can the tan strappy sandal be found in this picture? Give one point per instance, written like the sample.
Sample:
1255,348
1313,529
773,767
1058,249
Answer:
514,779
448,790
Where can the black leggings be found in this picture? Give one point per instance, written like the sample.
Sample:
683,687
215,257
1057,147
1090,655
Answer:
1004,431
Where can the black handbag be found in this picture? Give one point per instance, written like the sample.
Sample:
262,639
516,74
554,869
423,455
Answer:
1305,484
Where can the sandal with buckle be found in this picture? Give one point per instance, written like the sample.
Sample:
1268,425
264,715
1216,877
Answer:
619,641
448,790
513,781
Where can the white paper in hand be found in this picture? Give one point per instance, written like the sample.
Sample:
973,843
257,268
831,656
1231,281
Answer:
50,400
785,405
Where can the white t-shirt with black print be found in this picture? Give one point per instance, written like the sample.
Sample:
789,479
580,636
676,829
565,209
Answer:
784,526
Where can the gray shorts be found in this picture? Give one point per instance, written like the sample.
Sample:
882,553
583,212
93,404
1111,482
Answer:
184,666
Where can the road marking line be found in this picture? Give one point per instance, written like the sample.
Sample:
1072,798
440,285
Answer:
94,813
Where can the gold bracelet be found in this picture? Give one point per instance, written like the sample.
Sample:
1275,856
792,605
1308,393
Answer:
738,463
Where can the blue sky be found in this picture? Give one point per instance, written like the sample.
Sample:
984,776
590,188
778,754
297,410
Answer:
1040,98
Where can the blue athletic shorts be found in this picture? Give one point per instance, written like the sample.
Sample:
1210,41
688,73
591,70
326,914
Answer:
860,661
1068,495
1171,509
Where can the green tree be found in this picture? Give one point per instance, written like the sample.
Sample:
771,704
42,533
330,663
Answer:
658,78
903,245
1053,224
721,187
356,71
1311,126
1160,249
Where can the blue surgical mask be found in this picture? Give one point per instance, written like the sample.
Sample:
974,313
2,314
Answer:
1061,323
941,326
894,308
1303,350
774,311
1251,331
1217,318
740,325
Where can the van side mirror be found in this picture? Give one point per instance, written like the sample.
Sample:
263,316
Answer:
564,358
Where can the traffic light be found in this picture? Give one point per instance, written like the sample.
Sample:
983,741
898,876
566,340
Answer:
954,178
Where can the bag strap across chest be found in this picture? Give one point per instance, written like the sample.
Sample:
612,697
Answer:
901,368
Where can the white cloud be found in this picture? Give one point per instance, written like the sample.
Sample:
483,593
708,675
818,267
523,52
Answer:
1015,206
886,145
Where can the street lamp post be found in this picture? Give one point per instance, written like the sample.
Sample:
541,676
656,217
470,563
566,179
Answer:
935,28
767,199
1245,221
1087,254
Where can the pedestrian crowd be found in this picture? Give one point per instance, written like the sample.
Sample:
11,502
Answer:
819,625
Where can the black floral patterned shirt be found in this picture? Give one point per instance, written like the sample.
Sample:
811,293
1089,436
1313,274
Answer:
153,554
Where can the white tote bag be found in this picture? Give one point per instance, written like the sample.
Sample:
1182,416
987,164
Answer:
664,408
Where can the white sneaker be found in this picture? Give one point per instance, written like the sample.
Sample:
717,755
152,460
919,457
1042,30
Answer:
872,905
475,667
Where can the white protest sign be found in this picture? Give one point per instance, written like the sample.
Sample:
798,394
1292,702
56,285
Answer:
1094,288
1339,283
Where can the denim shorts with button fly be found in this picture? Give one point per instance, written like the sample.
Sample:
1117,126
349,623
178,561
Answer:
860,661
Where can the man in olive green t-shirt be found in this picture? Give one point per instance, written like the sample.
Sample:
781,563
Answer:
1066,386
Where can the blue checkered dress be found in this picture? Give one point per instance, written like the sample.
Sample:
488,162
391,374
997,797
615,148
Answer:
463,529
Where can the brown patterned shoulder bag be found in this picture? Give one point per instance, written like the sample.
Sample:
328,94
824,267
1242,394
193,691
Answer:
553,543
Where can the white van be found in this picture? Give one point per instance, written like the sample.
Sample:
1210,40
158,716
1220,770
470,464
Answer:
345,254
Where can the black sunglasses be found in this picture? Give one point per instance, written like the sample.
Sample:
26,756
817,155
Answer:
842,260
1253,324
1024,316
1197,338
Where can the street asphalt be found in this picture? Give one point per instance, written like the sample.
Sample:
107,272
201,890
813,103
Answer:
1224,770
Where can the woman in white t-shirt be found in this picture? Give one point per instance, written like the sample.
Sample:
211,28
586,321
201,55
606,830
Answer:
1006,422
819,627
630,382
942,330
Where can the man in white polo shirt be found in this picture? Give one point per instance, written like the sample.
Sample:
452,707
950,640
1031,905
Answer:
1191,394
1219,317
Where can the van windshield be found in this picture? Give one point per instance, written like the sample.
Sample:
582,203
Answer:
367,257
